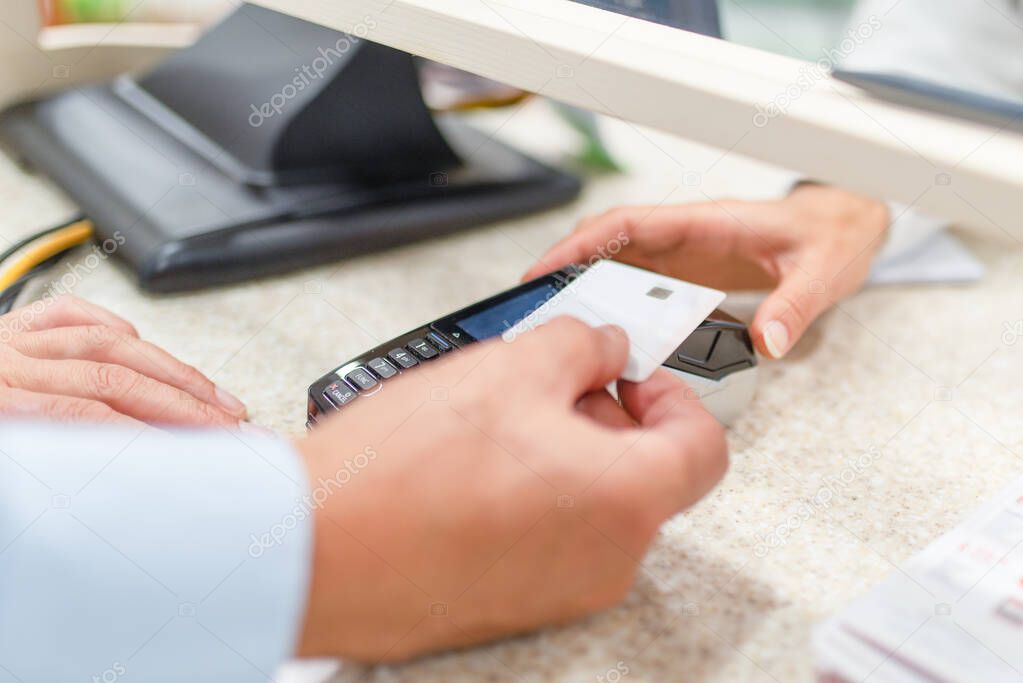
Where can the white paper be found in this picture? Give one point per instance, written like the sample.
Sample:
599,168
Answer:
954,613
940,257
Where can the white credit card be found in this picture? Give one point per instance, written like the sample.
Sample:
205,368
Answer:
657,312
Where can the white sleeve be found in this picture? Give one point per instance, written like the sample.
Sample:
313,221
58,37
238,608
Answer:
148,555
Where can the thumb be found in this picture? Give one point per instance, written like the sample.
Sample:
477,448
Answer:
787,312
567,358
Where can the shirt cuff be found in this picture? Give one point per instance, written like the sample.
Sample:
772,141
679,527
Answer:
159,556
908,229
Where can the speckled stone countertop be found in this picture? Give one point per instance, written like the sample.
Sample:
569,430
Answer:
922,377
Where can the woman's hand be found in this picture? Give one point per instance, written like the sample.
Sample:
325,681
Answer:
814,248
75,361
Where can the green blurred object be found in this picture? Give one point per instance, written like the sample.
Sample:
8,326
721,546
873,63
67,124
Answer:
594,153
93,10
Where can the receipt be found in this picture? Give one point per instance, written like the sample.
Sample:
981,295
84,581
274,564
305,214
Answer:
951,614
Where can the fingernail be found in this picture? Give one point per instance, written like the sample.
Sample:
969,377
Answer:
776,339
230,402
254,430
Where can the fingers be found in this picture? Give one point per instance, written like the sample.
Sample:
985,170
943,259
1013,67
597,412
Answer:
646,229
601,407
832,263
569,358
106,345
18,403
589,237
646,402
65,311
122,389
838,234
681,445
786,314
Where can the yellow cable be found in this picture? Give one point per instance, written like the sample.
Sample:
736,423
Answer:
484,102
44,248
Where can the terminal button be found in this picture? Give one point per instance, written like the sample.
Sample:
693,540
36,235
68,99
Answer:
423,349
339,394
439,341
698,347
403,358
361,379
732,348
383,369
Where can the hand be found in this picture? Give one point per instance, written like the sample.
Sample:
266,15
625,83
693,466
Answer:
75,361
814,247
503,490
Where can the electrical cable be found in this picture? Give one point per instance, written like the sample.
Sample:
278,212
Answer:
21,244
54,242
10,295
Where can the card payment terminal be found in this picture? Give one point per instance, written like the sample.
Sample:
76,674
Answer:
717,360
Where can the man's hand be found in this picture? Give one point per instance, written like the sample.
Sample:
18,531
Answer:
75,361
495,491
814,248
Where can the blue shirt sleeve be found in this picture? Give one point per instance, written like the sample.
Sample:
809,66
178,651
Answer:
149,555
